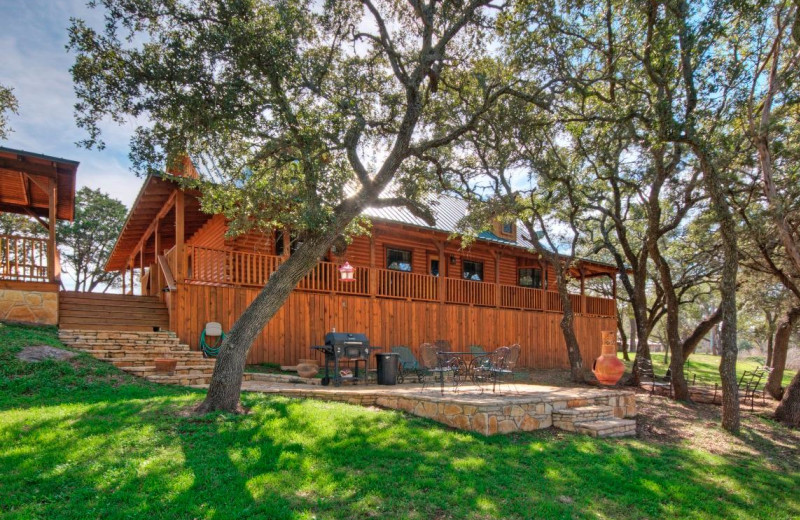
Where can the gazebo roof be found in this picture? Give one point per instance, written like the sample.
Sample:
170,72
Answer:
24,177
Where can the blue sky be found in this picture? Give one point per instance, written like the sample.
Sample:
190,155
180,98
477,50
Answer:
35,63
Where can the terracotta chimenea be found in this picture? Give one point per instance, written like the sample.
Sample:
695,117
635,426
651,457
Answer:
608,368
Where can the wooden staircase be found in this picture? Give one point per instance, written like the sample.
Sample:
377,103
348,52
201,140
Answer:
135,352
94,311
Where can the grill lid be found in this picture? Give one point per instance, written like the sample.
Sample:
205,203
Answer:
346,338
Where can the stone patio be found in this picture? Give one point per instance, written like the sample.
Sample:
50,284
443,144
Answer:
520,407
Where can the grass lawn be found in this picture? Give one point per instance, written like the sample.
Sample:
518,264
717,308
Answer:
79,439
706,367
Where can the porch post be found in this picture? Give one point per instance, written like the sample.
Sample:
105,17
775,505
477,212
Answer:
583,291
497,278
157,239
287,243
142,288
180,208
52,194
130,266
123,274
443,263
373,274
614,291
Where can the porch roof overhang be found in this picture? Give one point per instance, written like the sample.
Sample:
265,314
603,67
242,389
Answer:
24,181
156,200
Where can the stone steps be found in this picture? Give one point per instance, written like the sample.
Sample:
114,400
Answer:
144,361
135,352
607,427
282,378
593,420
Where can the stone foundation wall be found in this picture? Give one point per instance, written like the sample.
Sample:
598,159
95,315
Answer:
485,416
19,305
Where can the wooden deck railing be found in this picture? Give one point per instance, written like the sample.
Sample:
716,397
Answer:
236,268
325,278
23,259
471,292
514,297
412,286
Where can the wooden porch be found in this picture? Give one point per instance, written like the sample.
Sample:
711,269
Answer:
226,268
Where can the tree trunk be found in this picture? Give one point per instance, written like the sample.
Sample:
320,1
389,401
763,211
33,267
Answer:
771,324
623,338
788,412
226,382
567,323
633,335
678,380
727,287
703,328
779,352
639,302
715,341
770,342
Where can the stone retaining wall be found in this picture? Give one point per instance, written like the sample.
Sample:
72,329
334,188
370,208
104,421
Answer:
24,306
484,414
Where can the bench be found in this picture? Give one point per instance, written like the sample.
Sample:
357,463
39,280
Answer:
748,385
648,376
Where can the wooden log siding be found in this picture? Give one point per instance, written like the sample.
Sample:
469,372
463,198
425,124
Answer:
307,316
23,259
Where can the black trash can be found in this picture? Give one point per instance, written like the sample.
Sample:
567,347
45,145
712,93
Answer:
388,365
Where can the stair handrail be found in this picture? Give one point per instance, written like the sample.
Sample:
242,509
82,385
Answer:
167,271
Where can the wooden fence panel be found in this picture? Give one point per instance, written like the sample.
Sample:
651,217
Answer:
306,317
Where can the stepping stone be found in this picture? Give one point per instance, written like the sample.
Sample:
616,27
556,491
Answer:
36,353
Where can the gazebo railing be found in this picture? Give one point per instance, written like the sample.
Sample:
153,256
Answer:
23,259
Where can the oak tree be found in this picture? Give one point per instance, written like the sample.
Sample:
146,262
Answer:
297,115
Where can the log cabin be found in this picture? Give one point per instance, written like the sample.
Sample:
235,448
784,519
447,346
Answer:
413,282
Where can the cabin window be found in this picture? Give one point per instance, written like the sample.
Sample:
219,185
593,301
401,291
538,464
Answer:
398,260
530,278
434,267
279,242
508,228
472,270
294,243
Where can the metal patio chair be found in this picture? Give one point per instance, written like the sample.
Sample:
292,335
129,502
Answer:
437,364
503,362
408,364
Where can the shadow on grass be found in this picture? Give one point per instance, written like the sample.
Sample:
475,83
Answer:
75,444
138,458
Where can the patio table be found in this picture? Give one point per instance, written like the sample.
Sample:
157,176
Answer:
461,369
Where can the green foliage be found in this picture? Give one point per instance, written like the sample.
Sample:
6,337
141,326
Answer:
8,104
88,240
80,439
21,225
289,111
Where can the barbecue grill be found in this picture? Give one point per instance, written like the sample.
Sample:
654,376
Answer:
345,346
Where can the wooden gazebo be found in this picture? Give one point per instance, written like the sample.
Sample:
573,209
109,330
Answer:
41,187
